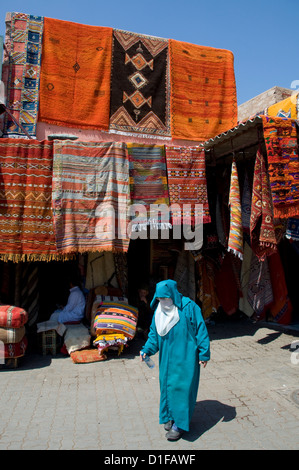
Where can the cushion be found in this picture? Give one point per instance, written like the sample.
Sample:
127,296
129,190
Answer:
116,317
12,317
12,335
14,350
85,356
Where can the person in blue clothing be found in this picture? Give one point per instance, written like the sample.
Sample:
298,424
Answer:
179,333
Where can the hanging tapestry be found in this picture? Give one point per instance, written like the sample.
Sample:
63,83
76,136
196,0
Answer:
90,196
235,240
287,108
26,219
140,85
203,91
283,166
262,230
148,178
21,72
75,75
186,172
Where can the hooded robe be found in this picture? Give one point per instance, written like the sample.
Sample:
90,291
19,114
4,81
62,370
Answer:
180,351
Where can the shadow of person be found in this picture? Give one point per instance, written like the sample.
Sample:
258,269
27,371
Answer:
207,414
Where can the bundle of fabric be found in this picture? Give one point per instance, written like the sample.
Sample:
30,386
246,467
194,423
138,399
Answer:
98,301
12,331
187,184
90,196
203,91
262,229
140,85
26,218
75,75
283,166
114,325
21,72
148,179
76,337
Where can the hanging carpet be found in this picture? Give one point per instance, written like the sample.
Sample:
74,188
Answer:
26,219
148,179
283,166
187,184
281,308
140,85
90,196
75,75
203,91
235,240
21,72
262,229
287,108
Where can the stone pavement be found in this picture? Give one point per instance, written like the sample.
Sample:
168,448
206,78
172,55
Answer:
248,398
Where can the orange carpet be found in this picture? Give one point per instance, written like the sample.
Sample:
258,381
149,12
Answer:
75,75
203,91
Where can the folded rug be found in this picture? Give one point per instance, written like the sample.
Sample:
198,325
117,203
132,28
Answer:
75,75
203,91
90,196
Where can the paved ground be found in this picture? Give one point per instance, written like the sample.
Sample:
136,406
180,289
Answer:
248,398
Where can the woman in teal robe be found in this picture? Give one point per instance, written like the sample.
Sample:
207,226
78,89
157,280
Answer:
182,346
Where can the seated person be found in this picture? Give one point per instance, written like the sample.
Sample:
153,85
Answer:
145,313
74,309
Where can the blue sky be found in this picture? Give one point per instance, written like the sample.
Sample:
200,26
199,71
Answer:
262,34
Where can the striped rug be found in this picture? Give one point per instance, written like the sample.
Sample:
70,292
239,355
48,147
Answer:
90,196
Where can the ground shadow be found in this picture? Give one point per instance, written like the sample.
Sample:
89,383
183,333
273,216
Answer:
207,414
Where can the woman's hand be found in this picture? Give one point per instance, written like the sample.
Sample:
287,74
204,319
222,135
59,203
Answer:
203,363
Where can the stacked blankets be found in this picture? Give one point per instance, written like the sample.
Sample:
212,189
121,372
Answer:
114,325
12,331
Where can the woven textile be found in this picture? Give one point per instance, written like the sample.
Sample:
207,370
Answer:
262,230
85,356
148,176
12,317
187,184
283,166
14,350
113,317
90,196
12,335
235,240
203,91
26,219
140,85
287,108
21,71
75,75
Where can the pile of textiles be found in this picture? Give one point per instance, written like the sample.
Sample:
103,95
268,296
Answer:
12,331
114,325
